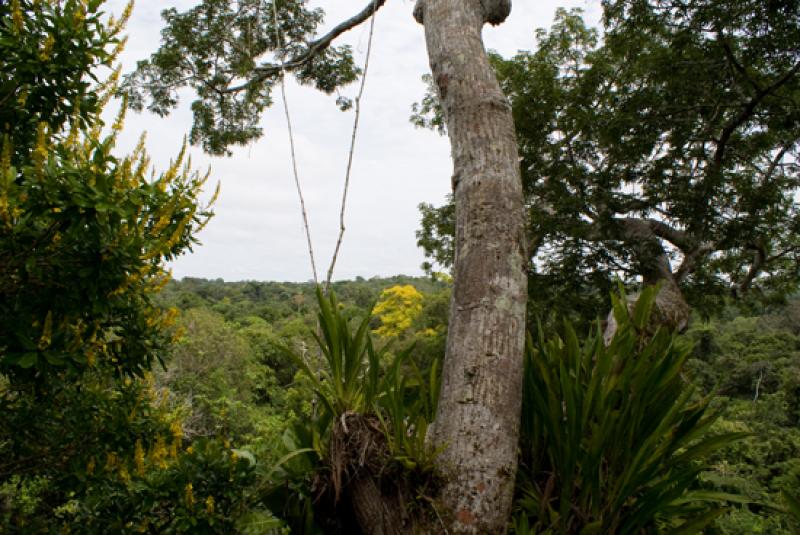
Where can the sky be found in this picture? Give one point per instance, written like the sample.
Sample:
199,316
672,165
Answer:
257,232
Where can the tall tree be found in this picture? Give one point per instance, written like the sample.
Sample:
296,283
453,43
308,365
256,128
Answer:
665,154
477,420
218,49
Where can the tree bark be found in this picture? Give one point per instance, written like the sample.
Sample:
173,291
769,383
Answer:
670,309
477,422
378,513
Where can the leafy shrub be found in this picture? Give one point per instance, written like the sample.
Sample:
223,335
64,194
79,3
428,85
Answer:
203,489
88,446
613,437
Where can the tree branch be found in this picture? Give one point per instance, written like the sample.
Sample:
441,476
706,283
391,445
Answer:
736,65
692,258
745,114
759,260
645,228
773,165
315,47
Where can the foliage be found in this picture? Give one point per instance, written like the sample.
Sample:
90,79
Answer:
122,469
88,446
354,379
83,233
228,53
372,419
51,52
613,438
630,171
212,370
202,490
754,362
278,303
67,438
728,354
348,380
793,510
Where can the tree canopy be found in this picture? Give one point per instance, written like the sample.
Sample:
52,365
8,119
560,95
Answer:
232,53
664,150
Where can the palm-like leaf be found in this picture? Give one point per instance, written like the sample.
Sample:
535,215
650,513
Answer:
613,437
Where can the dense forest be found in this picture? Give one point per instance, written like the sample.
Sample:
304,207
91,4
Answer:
612,344
748,359
230,382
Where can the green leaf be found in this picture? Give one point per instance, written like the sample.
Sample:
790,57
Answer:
28,360
697,524
644,307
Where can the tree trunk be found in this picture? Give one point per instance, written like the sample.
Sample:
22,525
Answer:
377,512
477,423
670,309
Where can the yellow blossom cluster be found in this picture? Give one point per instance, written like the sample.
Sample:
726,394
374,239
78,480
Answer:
397,309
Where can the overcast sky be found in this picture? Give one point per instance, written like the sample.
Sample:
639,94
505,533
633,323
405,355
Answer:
257,232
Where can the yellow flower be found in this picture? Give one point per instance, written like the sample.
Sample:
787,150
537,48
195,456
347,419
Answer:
397,308
47,49
210,505
22,98
47,331
80,13
138,457
41,149
16,15
176,429
159,453
188,495
111,460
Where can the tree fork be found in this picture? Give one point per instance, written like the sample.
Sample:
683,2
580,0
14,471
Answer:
477,421
670,309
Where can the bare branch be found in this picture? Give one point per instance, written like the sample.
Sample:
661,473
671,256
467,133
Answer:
774,164
737,66
303,211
